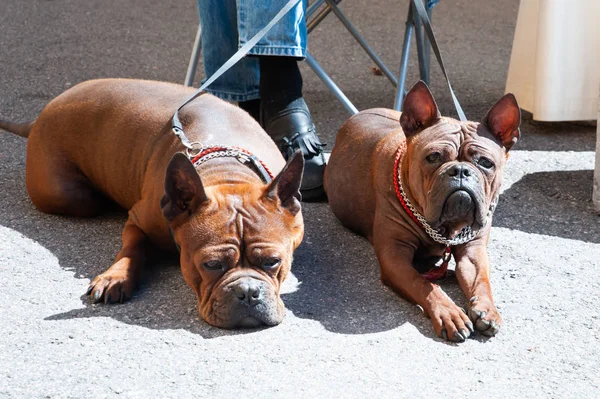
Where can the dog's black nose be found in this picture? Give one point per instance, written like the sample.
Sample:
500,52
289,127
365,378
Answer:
248,291
459,171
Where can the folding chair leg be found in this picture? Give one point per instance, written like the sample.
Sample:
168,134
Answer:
311,9
404,61
427,54
191,71
330,84
423,53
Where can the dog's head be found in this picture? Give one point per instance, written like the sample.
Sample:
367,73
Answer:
236,241
454,169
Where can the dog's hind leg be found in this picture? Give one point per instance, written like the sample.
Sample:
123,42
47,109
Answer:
71,196
120,280
55,185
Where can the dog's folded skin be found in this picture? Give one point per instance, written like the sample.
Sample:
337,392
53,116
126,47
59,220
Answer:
111,139
451,172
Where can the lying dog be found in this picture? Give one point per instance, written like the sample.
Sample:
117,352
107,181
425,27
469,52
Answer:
388,168
111,139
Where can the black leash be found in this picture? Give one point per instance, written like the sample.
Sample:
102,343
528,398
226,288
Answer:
418,4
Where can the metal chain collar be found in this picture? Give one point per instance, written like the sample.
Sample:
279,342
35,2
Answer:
200,154
226,152
465,235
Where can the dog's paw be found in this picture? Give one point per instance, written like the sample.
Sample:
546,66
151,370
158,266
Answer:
111,287
485,316
450,322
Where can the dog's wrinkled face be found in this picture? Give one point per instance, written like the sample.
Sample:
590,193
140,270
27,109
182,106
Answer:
454,169
236,242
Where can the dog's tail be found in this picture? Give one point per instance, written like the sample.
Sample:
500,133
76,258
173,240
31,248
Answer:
20,129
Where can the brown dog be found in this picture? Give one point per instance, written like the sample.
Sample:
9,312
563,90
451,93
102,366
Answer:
112,139
451,172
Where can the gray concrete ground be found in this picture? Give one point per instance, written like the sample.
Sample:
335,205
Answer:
345,334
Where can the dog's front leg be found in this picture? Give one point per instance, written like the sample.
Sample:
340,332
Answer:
120,280
395,259
473,274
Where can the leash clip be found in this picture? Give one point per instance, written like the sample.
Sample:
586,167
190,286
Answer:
194,149
182,137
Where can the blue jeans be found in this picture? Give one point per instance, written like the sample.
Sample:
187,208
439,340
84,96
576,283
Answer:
229,24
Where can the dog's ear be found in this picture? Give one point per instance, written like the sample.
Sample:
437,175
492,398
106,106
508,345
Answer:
503,121
183,188
286,185
419,110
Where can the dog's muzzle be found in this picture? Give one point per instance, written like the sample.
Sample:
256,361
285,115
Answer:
459,205
248,302
461,198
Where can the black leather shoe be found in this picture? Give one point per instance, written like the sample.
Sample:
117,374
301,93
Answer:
292,129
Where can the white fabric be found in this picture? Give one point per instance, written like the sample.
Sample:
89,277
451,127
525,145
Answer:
555,62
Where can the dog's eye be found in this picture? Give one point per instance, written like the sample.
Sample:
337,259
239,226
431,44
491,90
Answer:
485,163
433,157
271,263
214,265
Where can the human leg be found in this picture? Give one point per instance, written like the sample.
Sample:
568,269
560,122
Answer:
284,113
219,42
286,118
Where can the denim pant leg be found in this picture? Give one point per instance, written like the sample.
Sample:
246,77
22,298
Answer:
220,40
286,38
229,24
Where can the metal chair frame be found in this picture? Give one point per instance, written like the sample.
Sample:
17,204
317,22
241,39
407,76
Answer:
319,10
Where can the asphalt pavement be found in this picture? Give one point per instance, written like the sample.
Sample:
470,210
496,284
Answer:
345,334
